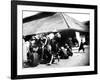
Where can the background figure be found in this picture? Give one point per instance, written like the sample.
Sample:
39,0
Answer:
75,41
81,47
70,43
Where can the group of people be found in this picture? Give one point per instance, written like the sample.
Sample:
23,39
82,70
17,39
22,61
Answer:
50,48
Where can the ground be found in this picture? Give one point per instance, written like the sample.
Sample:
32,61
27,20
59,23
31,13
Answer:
78,59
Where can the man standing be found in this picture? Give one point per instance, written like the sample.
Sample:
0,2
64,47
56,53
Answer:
81,47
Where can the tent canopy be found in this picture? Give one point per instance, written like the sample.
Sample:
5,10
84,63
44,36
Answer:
52,22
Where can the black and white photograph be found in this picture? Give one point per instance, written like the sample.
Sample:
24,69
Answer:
53,39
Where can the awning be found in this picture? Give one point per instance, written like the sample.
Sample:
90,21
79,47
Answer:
74,24
55,22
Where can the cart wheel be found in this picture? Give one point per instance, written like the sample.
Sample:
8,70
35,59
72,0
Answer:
34,59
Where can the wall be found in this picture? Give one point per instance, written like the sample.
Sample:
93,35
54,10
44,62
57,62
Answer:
5,40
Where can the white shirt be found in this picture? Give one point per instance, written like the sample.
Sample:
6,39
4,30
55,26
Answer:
51,36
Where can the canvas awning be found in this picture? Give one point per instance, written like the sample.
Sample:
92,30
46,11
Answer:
74,24
55,22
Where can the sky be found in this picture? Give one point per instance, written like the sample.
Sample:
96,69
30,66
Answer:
78,16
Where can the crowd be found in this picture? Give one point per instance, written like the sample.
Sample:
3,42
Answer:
49,47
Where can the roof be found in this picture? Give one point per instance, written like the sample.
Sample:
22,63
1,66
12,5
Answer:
51,22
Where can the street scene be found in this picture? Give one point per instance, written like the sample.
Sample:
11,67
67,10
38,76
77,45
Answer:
78,59
55,39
